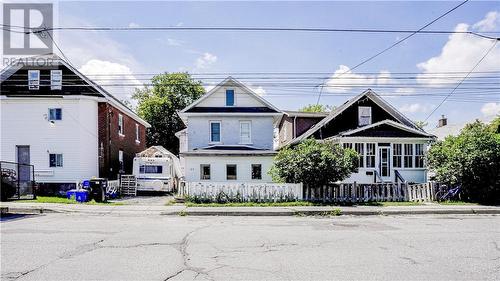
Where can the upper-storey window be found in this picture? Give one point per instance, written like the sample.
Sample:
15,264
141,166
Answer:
245,132
34,79
214,131
55,79
120,124
137,135
229,97
364,115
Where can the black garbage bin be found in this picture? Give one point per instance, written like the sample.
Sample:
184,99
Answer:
98,189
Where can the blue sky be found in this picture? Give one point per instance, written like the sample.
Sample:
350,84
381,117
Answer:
140,52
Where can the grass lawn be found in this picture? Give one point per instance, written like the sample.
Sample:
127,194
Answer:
62,200
454,202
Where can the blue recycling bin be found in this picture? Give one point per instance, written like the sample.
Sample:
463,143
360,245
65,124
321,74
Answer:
82,196
71,194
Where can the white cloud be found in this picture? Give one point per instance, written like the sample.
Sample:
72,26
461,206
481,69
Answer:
489,23
343,79
461,52
108,73
413,108
490,109
259,90
174,42
133,25
205,60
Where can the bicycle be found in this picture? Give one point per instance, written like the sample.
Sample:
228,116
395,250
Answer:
449,194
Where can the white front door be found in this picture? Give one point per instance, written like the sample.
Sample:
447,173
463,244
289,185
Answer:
384,163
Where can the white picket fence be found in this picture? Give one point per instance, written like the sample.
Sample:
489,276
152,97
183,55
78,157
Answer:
241,191
374,192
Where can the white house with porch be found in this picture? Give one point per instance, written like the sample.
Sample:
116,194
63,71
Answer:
391,146
229,136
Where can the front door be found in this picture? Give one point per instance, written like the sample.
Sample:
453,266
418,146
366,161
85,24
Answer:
384,162
23,169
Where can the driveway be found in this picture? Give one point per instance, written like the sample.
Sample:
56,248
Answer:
143,200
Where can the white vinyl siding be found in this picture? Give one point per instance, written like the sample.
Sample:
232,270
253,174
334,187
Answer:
245,132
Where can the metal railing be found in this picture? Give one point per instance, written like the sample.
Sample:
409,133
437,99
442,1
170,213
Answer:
17,181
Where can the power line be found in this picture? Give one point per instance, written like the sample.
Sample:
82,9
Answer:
394,44
460,83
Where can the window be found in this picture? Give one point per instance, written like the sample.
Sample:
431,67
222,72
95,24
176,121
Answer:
347,145
204,171
55,160
55,79
120,159
230,172
364,115
55,114
419,155
214,131
137,137
370,155
359,147
408,156
150,169
245,132
397,154
120,124
256,171
34,79
229,97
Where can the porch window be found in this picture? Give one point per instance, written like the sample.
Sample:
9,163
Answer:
419,155
408,156
347,145
397,154
214,131
364,115
231,172
370,155
205,171
359,147
150,169
256,171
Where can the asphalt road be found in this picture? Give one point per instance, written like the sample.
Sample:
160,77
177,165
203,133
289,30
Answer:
85,247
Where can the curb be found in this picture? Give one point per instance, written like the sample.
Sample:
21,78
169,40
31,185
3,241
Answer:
270,213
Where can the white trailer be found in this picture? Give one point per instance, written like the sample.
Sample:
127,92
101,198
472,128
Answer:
156,169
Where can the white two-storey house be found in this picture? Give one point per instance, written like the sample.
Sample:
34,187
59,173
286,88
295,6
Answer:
229,135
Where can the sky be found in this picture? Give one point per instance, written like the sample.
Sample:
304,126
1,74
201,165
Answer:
138,54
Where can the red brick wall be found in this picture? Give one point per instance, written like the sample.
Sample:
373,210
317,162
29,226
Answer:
110,142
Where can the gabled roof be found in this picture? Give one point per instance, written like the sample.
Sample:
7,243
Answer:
10,70
291,113
369,94
385,122
226,81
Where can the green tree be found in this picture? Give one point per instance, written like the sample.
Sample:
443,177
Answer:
159,104
471,159
316,108
314,163
495,125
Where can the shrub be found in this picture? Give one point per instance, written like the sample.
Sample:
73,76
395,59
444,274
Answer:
314,163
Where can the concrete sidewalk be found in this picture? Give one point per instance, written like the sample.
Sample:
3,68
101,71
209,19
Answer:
181,210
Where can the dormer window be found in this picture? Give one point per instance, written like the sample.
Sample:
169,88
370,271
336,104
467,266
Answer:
34,79
364,115
229,97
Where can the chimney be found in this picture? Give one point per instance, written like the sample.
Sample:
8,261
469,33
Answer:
442,122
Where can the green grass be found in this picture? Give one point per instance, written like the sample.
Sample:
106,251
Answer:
388,204
62,200
455,202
